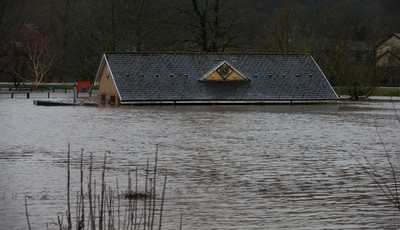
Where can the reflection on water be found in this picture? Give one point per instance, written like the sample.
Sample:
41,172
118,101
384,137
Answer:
229,167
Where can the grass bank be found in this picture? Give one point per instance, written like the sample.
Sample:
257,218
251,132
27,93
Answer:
380,91
387,91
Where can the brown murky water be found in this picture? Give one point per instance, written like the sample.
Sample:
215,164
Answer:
229,167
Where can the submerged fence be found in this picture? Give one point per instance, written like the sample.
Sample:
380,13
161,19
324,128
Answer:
52,93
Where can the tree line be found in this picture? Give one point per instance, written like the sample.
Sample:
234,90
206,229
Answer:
63,40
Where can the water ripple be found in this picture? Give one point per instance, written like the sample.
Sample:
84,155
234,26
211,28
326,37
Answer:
229,167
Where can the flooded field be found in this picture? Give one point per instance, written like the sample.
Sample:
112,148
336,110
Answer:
229,167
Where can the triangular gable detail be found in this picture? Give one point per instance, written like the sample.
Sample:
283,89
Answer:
224,72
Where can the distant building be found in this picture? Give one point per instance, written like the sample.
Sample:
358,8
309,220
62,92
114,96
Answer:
388,51
154,78
388,60
361,51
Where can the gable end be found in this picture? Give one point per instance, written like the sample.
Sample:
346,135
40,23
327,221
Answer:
224,72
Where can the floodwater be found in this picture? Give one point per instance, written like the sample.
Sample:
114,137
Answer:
229,167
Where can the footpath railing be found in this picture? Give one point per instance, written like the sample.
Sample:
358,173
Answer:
41,93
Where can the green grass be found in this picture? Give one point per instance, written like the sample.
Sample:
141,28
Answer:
387,91
380,91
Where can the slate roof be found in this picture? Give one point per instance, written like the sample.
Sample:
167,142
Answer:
176,77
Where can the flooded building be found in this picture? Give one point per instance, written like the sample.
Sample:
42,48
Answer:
179,78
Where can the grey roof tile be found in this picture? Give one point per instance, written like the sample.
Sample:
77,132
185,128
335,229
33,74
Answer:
272,77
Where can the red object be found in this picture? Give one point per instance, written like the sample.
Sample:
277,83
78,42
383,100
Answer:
83,86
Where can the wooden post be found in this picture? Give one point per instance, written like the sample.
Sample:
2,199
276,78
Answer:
48,94
75,95
28,96
12,95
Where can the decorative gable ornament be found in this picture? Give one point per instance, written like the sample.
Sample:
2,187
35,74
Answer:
224,72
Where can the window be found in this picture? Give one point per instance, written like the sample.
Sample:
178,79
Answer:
112,100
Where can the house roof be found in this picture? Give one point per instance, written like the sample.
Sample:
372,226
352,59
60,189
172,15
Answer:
388,37
178,77
390,54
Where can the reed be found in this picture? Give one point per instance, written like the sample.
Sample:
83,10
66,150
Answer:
104,207
68,188
27,214
389,185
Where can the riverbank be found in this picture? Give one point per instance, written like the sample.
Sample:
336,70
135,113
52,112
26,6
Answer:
346,99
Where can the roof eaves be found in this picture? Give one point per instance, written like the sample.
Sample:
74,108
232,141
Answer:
326,79
104,62
115,84
388,52
388,37
98,73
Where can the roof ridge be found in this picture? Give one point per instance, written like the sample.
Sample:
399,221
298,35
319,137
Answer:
388,37
207,53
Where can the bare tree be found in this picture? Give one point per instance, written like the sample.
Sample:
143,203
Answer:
122,24
353,66
136,13
63,17
345,51
38,56
85,29
358,79
209,26
10,21
12,63
6,24
388,184
285,29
